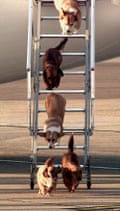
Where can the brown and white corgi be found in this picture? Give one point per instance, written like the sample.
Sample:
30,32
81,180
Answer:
69,15
47,176
53,126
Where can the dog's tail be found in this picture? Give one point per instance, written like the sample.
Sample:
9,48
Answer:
71,144
62,44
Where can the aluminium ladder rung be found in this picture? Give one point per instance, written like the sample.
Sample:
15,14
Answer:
69,132
77,131
68,53
83,36
56,18
61,91
67,129
82,72
60,147
51,1
56,165
66,110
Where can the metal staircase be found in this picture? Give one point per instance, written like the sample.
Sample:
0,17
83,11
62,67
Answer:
36,36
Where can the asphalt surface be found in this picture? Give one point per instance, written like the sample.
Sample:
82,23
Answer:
15,151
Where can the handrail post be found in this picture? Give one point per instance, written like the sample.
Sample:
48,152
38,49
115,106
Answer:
92,61
28,62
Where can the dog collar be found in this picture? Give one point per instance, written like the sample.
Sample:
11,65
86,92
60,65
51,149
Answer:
52,129
71,10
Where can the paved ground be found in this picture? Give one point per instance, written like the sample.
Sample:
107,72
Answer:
15,150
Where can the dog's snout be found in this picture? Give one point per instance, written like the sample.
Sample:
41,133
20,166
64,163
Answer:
52,140
68,30
50,146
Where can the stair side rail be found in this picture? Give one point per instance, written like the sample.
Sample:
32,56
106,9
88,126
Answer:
28,62
92,61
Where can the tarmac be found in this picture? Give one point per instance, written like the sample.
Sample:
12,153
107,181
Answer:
15,150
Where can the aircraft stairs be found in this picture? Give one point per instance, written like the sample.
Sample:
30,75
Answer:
36,94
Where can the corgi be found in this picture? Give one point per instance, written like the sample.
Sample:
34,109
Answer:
69,15
52,60
53,125
47,176
71,170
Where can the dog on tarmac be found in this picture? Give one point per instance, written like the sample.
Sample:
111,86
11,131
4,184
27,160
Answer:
71,170
47,176
69,15
52,60
53,126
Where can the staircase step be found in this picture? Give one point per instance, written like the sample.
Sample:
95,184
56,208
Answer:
69,129
83,36
60,147
51,1
68,72
66,110
62,91
57,18
68,53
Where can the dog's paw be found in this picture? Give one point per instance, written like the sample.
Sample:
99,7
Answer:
47,195
49,88
75,31
57,143
39,192
64,32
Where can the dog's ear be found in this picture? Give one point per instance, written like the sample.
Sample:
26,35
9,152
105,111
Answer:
42,134
49,161
60,134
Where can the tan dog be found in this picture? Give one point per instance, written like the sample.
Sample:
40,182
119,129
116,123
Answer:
53,127
47,177
69,15
52,60
71,170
